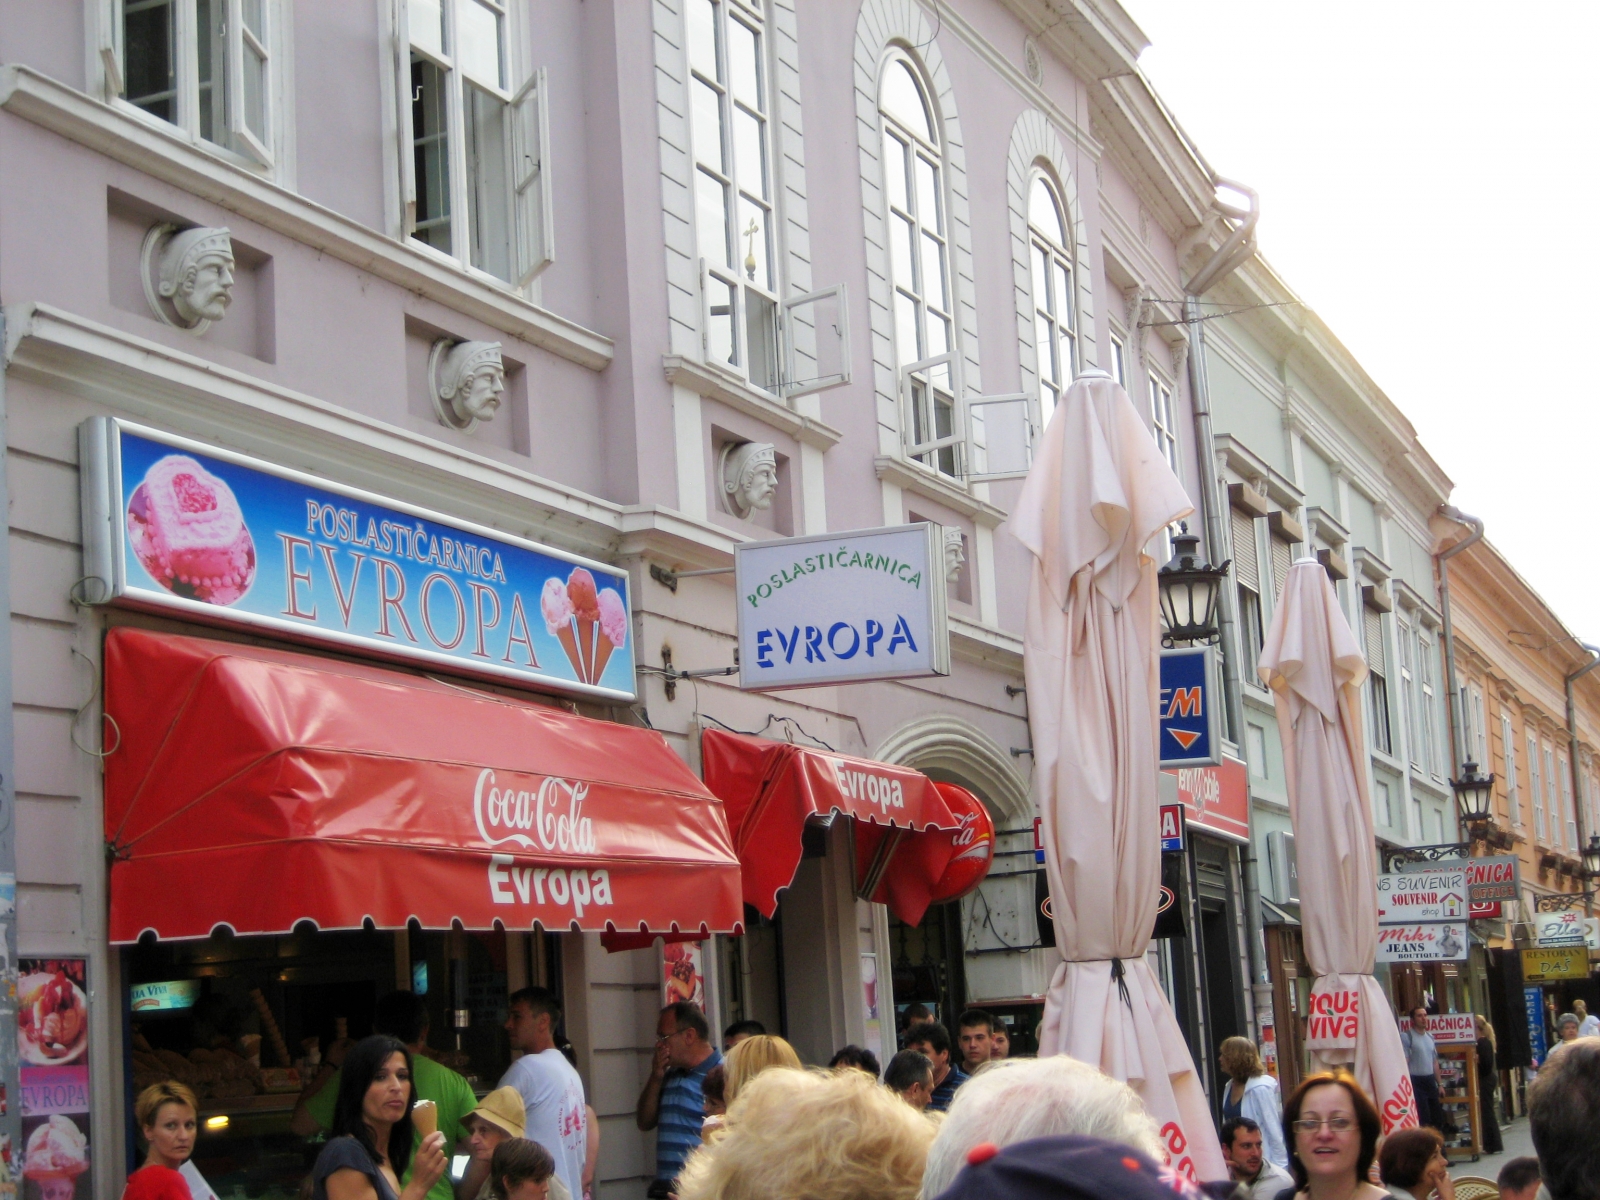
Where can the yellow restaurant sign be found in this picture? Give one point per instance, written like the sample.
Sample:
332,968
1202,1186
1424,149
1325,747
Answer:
1570,962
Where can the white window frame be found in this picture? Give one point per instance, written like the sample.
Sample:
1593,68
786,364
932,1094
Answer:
1118,366
524,90
1552,796
1047,309
1431,749
1410,696
258,150
1508,743
1536,787
1569,812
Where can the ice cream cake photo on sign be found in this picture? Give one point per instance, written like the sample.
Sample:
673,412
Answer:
589,623
52,1012
188,532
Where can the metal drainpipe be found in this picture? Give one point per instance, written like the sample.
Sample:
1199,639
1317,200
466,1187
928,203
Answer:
1235,251
1572,755
1457,734
10,1115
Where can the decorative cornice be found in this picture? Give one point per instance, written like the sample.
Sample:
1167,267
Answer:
715,384
923,482
190,395
976,642
172,159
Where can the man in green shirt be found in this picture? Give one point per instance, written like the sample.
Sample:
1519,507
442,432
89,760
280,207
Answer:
403,1015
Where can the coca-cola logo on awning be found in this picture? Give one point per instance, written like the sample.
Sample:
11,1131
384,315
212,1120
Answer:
549,817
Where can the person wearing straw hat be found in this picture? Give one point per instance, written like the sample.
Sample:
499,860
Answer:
499,1117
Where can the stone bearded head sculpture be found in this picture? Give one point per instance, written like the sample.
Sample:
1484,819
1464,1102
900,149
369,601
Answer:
468,379
196,274
749,477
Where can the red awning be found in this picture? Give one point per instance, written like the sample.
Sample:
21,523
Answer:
771,789
257,788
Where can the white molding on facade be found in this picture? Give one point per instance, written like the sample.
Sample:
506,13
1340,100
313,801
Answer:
190,395
948,743
913,477
710,381
172,159
1034,142
903,23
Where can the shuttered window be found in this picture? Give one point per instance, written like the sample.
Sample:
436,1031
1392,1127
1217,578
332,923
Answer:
1282,559
1246,564
1378,715
1372,627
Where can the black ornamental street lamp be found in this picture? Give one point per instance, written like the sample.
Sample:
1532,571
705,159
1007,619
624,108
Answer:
1189,591
1591,857
1474,794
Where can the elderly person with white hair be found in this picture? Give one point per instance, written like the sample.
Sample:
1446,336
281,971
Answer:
1021,1098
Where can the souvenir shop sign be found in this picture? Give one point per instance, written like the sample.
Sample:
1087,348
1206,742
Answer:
171,524
842,608
1408,897
1489,880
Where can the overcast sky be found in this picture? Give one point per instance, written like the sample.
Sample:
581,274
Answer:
1428,184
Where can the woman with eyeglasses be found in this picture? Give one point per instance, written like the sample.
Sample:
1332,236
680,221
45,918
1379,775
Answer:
1332,1129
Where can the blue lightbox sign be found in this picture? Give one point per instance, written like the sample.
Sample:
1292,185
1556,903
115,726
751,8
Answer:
1189,735
173,524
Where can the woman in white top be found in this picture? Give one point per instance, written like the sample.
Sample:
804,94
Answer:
1254,1094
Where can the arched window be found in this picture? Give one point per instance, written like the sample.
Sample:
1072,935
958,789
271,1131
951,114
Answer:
1055,319
733,186
919,265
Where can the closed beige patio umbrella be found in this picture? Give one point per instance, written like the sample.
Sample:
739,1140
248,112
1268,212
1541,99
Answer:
1098,493
1315,669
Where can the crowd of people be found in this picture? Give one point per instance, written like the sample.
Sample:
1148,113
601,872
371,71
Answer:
947,1119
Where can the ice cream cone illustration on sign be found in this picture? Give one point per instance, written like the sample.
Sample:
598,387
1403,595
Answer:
613,631
589,624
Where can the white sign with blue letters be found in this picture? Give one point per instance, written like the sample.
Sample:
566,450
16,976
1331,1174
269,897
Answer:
842,608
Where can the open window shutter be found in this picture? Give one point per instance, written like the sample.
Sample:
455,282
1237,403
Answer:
403,134
110,46
248,59
920,378
1246,562
816,341
530,175
1372,627
1000,436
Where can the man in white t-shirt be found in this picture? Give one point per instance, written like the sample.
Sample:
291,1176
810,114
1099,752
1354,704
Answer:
551,1090
1588,1023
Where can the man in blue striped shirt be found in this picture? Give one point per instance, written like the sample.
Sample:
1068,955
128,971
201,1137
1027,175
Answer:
672,1103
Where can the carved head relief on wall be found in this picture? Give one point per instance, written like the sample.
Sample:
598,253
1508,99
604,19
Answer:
749,476
467,380
955,554
188,275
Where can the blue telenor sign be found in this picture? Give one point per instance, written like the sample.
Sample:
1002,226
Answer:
1189,735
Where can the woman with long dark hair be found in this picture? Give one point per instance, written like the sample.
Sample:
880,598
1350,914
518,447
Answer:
1488,1077
370,1149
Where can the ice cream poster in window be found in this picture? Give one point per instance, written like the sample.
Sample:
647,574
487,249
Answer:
684,973
55,1157
52,1012
187,530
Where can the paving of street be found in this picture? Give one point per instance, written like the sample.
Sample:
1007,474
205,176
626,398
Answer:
1518,1141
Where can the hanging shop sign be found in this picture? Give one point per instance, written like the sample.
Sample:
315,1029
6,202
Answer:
1569,928
1189,734
172,524
1533,1013
1489,880
1570,962
842,608
1171,828
1422,915
1216,798
1407,897
1453,1028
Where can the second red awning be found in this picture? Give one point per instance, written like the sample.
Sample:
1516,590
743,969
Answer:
256,788
907,826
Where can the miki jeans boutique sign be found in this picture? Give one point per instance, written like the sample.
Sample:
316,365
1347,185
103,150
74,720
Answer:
171,524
